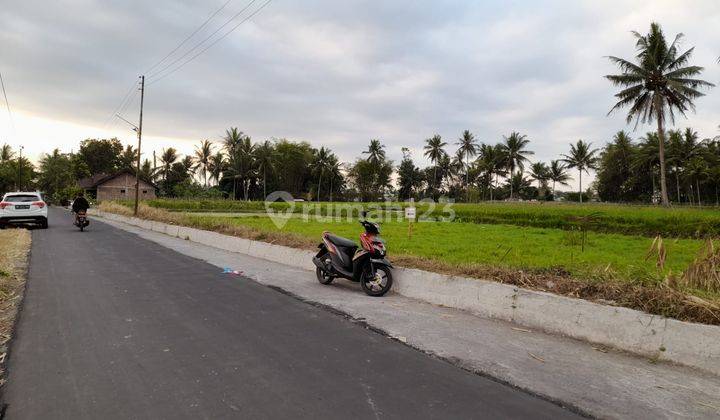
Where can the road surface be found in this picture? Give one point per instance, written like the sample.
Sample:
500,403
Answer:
114,326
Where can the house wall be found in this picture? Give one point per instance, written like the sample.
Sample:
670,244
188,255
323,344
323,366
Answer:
122,187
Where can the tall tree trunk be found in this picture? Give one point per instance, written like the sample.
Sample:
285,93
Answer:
553,190
235,187
319,185
652,176
697,183
691,194
677,182
264,185
511,185
493,181
580,171
661,153
467,177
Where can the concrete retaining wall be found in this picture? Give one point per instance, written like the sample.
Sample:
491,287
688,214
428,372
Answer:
653,336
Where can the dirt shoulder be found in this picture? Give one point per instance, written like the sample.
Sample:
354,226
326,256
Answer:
14,251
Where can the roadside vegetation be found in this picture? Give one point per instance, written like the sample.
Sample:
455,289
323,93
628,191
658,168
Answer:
14,249
634,271
681,222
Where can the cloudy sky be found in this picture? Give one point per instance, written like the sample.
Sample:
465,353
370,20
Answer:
335,73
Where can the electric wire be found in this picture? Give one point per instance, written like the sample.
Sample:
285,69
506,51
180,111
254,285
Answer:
199,44
211,44
125,98
7,104
122,109
198,29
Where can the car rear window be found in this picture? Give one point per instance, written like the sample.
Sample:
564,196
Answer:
25,198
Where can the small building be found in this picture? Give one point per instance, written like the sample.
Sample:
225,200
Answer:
118,186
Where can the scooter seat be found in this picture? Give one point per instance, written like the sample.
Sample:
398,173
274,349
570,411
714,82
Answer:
340,241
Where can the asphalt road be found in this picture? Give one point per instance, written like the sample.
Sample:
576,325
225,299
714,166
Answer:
114,326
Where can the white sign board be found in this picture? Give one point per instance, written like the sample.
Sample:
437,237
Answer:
410,213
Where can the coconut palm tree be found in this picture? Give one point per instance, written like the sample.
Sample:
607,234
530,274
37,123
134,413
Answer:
334,167
647,157
232,139
674,157
188,164
435,151
6,153
558,173
467,148
657,86
231,142
697,169
239,150
167,158
203,153
457,166
245,158
492,161
375,151
128,158
540,172
581,157
320,165
216,166
515,154
518,182
265,161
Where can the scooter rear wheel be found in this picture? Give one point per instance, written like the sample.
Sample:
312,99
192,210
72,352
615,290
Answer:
323,277
377,283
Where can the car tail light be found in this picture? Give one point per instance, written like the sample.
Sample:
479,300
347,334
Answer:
40,204
4,204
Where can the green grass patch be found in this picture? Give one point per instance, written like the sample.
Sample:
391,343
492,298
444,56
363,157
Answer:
605,255
681,222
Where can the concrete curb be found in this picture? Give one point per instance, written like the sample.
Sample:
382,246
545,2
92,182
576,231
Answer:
654,336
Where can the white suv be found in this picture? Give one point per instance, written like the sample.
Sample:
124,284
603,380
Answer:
23,207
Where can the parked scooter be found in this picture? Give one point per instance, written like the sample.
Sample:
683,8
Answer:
81,220
342,258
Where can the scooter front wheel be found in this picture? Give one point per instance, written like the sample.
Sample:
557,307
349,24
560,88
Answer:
376,282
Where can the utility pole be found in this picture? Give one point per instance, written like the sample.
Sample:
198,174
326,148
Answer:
139,131
20,169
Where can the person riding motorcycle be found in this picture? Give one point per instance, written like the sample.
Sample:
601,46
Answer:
80,205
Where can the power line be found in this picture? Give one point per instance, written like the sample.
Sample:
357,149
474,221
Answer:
122,103
211,44
196,46
127,104
7,104
199,28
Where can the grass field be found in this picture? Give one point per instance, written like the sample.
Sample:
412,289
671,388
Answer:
608,218
505,246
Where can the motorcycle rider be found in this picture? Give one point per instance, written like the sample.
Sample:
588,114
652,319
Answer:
80,204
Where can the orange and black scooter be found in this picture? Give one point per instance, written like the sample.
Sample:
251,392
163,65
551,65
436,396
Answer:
342,258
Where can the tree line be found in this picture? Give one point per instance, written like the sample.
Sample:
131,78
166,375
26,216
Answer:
658,84
627,170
